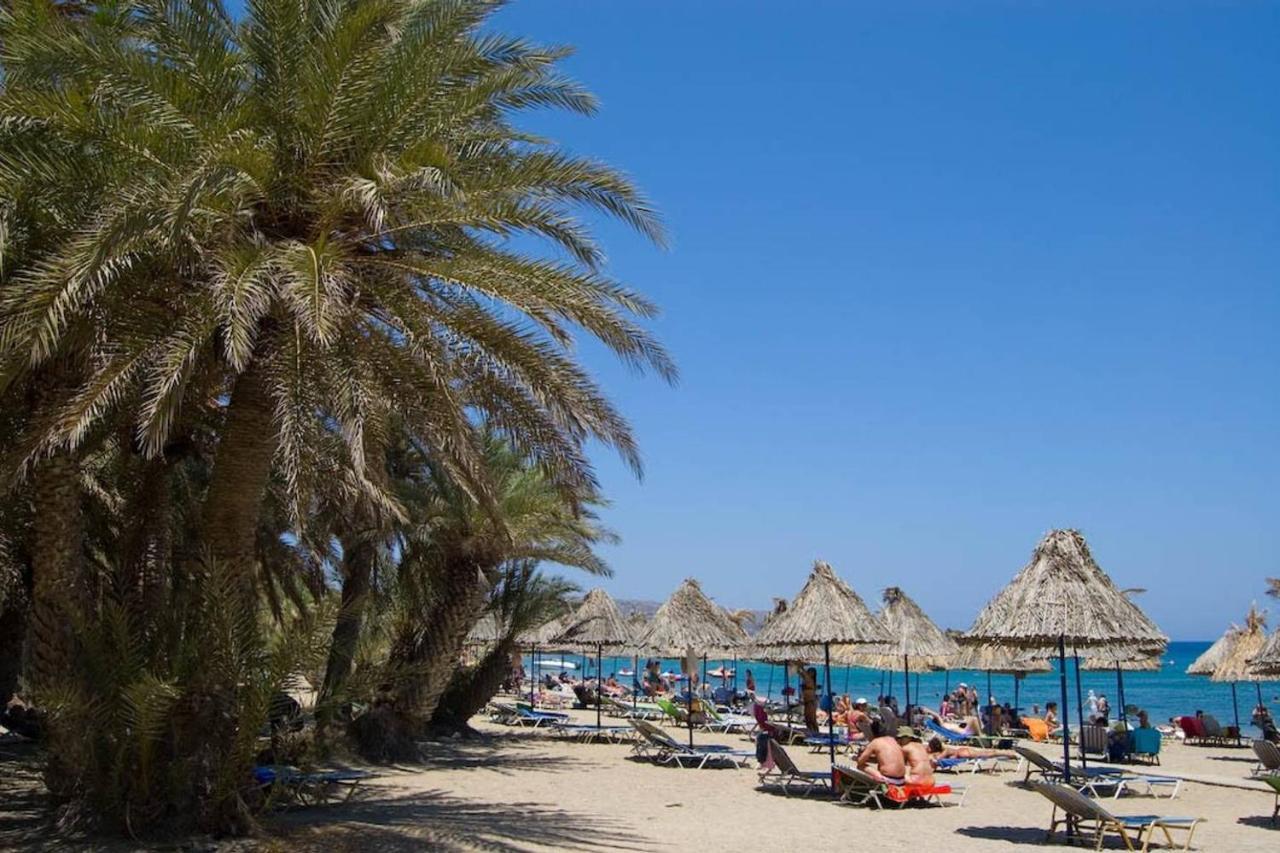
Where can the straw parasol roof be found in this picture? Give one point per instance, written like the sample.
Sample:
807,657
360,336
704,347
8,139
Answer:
827,610
485,631
1248,644
544,634
1214,655
914,636
1267,661
689,620
1150,663
994,658
597,621
1062,592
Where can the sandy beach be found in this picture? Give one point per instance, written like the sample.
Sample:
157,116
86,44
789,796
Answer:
526,790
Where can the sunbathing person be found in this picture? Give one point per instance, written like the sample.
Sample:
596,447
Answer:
884,752
919,764
938,750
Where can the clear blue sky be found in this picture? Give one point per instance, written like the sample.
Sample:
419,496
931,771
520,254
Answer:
942,280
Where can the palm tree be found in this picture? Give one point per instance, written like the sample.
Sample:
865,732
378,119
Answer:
301,223
453,554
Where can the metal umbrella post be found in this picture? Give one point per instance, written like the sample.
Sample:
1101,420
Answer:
906,688
831,725
635,680
1066,732
1084,759
599,683
533,675
991,713
1235,706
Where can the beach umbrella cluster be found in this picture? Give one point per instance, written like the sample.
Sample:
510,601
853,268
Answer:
915,641
596,623
1063,598
687,622
826,611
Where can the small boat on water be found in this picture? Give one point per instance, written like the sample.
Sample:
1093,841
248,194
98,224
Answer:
720,672
557,664
626,673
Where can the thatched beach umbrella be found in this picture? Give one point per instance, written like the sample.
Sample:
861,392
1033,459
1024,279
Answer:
532,639
1060,598
1235,664
597,622
1215,654
1267,661
826,611
990,659
915,640
688,620
485,632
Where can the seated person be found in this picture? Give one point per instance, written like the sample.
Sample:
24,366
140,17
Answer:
939,750
841,713
1051,717
919,764
884,752
858,719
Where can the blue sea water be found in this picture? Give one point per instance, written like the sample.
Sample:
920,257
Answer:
1165,693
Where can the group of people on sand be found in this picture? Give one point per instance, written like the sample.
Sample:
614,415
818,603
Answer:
900,757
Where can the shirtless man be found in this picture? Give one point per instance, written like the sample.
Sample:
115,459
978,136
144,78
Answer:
884,752
919,764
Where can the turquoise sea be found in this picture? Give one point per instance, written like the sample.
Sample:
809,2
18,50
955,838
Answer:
1163,694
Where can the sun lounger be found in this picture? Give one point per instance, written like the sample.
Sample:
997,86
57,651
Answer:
1094,780
309,788
515,715
1037,729
726,723
587,733
1268,757
1082,815
984,764
780,770
660,747
1274,782
1093,740
1144,745
859,788
960,737
642,710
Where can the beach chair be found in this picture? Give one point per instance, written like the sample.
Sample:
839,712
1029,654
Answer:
1083,816
859,788
1268,757
1093,740
515,715
664,749
589,733
781,732
642,710
307,788
1144,745
726,723
1218,733
781,771
1193,730
1093,780
1037,729
949,736
1274,782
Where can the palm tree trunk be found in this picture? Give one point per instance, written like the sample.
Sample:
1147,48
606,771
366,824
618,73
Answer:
460,588
357,571
241,472
57,583
471,688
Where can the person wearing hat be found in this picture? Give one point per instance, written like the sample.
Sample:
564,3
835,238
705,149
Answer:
884,752
858,719
919,763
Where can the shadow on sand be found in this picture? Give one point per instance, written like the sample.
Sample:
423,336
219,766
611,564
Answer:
436,820
1028,835
497,755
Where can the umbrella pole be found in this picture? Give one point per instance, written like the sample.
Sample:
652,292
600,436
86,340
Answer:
1066,738
1124,715
735,675
1235,706
533,676
768,690
786,684
991,714
1017,683
831,716
882,684
1084,759
688,684
635,679
847,670
906,688
947,688
599,682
